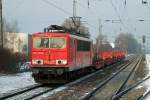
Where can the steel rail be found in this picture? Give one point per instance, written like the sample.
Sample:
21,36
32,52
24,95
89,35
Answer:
18,91
38,94
119,95
122,67
32,93
113,97
142,97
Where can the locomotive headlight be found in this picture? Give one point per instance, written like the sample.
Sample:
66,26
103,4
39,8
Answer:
37,62
60,62
33,61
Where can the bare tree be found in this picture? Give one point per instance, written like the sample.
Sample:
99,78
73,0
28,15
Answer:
99,41
10,31
102,44
127,42
11,27
75,25
69,24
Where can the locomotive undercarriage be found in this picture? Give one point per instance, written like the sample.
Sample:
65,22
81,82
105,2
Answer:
45,75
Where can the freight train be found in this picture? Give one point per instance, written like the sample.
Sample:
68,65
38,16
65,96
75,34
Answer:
58,56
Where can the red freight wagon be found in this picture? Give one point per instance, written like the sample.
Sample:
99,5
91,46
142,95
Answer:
119,56
107,56
122,55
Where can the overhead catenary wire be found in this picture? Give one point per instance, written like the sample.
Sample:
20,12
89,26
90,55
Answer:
148,6
115,9
118,15
83,6
92,11
92,14
63,10
68,13
59,8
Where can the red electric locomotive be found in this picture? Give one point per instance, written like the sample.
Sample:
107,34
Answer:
57,55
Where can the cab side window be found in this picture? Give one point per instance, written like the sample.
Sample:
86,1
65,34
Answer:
71,43
83,45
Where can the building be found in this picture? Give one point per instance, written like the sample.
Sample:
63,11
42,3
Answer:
17,42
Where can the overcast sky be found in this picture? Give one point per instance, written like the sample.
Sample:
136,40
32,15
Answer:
34,15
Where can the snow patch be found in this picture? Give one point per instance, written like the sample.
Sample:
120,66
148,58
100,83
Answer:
139,87
147,82
148,66
11,82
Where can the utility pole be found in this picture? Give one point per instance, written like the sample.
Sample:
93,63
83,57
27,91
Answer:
74,8
100,27
75,18
144,40
100,31
1,21
99,39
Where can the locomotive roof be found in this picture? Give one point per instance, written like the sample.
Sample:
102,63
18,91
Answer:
58,34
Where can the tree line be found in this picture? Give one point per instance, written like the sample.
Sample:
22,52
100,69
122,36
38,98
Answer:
125,42
128,43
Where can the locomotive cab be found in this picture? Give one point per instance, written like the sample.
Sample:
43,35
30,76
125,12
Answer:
49,51
49,55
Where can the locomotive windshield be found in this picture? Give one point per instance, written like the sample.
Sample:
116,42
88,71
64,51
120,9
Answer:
49,43
57,43
41,43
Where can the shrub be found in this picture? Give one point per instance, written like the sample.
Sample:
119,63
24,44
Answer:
9,61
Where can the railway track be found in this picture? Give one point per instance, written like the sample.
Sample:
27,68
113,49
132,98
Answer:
87,82
123,92
18,91
36,91
32,93
124,85
143,97
105,91
26,93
